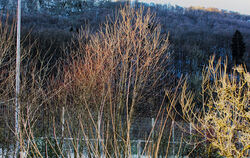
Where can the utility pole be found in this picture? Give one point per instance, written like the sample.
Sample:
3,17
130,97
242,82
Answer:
18,61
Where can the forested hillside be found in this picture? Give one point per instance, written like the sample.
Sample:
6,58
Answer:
194,32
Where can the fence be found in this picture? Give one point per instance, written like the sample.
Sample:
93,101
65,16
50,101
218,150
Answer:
174,134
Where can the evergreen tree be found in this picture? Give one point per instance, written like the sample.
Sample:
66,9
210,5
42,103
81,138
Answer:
238,47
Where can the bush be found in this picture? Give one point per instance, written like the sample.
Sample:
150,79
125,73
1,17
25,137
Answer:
114,73
223,117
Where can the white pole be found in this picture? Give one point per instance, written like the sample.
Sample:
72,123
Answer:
18,60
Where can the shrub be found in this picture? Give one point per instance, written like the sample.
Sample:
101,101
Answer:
112,75
223,117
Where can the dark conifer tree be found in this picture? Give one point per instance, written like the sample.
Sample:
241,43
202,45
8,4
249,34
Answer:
238,48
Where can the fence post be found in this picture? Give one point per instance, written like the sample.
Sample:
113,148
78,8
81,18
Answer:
152,125
206,138
139,148
173,138
190,128
62,136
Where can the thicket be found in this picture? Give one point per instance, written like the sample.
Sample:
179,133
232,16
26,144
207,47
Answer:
94,96
96,86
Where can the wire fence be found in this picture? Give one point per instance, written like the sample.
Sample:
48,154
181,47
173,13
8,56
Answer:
177,134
